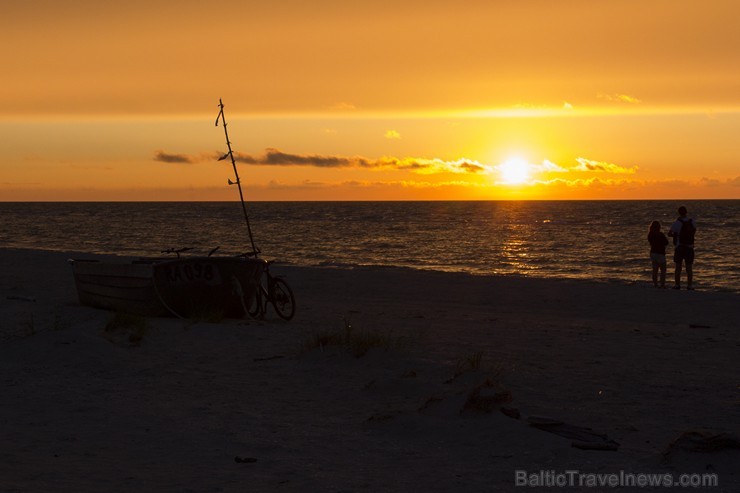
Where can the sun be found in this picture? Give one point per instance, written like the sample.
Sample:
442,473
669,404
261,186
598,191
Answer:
514,171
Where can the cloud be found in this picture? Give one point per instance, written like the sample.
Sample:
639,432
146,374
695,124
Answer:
305,184
392,134
599,166
713,182
710,182
628,99
470,166
275,157
422,166
431,166
343,106
549,167
619,98
584,182
630,184
172,158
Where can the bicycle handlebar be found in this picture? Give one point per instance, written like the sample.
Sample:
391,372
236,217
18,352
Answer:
251,254
176,250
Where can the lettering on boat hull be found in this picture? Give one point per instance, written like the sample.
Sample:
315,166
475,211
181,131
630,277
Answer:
200,272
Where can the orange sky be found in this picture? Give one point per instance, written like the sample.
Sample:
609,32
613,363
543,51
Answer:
371,100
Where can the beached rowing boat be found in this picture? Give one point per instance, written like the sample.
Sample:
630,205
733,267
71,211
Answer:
188,287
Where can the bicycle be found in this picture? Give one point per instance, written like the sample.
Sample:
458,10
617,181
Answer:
274,290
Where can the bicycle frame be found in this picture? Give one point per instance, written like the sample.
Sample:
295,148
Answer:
273,290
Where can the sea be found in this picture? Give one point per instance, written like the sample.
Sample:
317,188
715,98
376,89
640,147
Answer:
603,241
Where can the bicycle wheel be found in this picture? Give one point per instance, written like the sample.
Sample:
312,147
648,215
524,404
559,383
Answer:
257,305
282,299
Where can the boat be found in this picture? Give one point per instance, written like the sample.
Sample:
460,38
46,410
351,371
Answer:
187,287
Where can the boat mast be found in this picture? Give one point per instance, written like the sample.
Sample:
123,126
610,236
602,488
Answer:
238,183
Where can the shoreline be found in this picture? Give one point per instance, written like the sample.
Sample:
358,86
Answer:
89,410
643,282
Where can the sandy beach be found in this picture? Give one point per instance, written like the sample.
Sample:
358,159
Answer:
469,379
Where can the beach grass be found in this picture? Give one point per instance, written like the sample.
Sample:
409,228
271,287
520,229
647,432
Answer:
469,363
357,341
136,326
29,325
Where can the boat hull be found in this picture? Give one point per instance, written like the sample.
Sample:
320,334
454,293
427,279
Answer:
192,287
206,287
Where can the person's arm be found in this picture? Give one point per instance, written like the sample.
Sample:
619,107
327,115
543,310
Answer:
673,231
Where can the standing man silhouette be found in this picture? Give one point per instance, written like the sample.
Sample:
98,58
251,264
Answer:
682,231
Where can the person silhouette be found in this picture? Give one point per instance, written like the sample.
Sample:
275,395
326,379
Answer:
682,231
658,242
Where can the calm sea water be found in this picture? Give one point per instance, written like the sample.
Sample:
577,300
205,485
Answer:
599,240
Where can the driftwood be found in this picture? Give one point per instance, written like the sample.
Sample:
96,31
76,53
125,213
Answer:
583,438
703,441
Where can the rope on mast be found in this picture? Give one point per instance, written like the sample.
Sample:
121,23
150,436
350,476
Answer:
238,182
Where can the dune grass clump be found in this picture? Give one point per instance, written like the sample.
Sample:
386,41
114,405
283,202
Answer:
474,364
59,323
29,325
356,341
469,363
135,324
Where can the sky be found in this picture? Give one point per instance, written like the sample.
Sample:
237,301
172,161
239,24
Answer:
370,100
